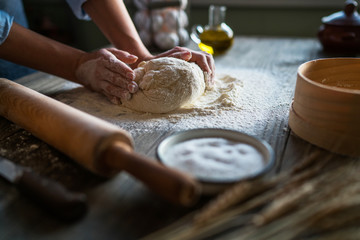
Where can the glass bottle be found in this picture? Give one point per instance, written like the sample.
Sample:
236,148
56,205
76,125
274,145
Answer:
216,37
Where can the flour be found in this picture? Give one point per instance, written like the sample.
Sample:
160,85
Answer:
215,159
239,101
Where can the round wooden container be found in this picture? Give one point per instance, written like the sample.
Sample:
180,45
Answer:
326,106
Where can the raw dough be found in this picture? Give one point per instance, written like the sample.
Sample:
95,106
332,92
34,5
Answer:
166,84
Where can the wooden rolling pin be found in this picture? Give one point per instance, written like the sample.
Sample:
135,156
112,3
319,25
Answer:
97,145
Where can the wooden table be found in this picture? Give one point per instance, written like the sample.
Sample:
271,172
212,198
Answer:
122,207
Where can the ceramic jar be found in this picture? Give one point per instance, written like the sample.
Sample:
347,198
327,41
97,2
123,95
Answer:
340,32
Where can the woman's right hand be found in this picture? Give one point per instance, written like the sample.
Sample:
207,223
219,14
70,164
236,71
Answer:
107,71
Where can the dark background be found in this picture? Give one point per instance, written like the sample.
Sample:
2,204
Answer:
54,18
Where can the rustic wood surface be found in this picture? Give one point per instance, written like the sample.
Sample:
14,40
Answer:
122,207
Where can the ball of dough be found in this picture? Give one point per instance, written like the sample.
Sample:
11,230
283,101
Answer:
166,84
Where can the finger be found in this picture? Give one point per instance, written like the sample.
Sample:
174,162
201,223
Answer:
111,62
114,78
113,99
124,94
123,56
211,64
185,55
201,60
204,60
111,90
132,87
119,81
207,64
172,51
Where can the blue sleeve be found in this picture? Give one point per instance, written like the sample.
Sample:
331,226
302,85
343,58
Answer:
5,25
76,7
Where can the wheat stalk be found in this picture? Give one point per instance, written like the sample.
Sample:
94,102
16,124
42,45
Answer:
294,204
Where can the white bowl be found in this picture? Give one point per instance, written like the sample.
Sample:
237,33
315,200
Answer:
214,185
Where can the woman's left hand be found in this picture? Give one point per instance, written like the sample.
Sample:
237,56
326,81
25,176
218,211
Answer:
107,71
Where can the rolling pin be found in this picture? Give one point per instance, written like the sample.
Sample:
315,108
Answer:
97,145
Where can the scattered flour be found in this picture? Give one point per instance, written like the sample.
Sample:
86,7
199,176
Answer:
240,101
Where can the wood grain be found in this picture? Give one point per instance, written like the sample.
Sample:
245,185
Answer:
121,207
75,133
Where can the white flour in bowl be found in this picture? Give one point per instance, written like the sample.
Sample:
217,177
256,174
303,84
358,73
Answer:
214,159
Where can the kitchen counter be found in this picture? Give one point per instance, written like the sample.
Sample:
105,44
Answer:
122,207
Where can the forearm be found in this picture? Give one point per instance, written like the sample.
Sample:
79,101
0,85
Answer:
30,49
112,17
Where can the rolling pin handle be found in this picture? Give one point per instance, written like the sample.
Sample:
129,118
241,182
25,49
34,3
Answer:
171,184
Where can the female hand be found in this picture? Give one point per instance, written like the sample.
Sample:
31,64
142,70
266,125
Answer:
107,71
203,59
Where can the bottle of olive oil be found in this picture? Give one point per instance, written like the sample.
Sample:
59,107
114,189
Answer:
217,37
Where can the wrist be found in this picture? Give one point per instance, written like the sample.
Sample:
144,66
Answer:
77,72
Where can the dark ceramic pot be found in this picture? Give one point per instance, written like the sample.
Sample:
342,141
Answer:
340,32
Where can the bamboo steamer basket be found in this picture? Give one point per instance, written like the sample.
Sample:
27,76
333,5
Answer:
326,107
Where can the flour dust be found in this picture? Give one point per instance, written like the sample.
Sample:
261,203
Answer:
239,101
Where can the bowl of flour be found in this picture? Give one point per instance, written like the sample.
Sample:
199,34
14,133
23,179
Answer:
217,158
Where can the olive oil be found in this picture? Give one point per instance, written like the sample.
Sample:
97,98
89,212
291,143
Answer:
216,37
215,42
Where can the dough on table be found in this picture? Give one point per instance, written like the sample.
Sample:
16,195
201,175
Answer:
166,84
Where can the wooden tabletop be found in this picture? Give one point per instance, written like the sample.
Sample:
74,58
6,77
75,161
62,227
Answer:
122,207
